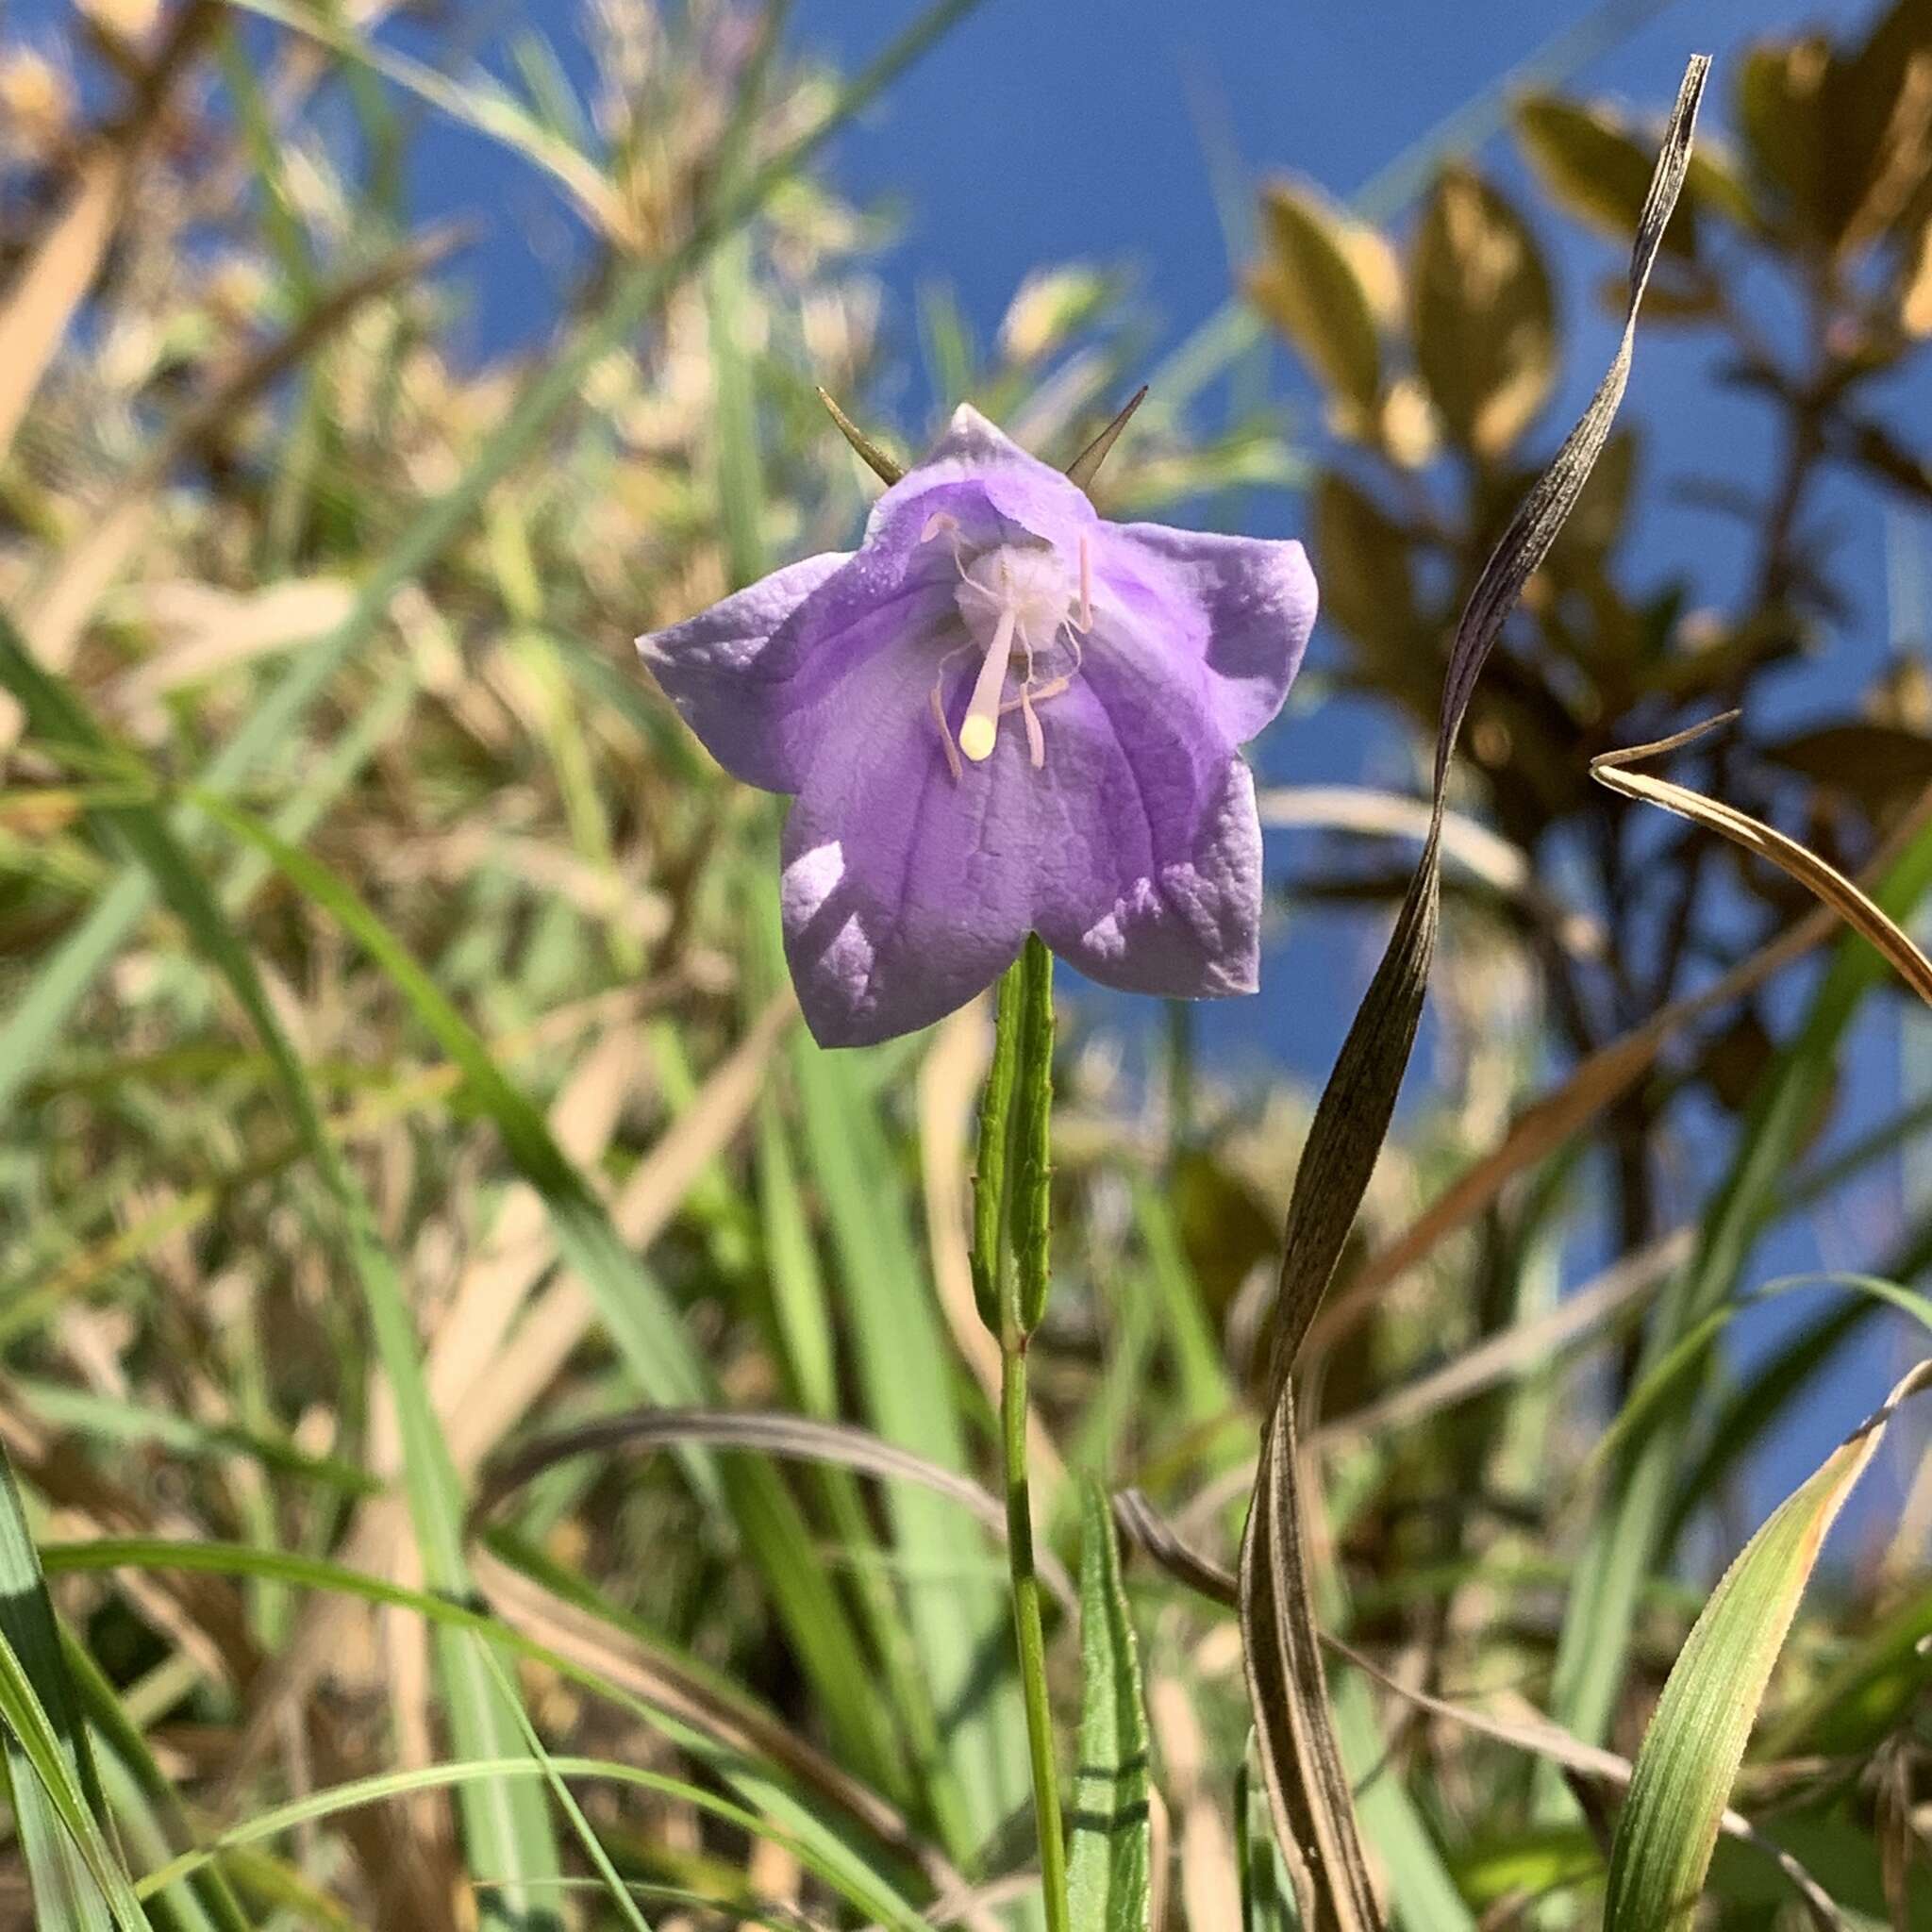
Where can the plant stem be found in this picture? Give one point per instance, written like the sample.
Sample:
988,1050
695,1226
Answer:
1028,1630
1010,1277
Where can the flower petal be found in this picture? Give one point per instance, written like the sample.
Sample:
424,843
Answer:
1149,854
1241,606
761,676
905,891
726,669
1020,487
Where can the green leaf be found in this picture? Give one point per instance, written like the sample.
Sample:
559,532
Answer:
1689,1757
78,1884
1309,284
1482,313
1367,585
1108,1829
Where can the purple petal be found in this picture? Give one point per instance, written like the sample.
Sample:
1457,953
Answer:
761,676
1020,487
1240,606
1148,852
905,891
726,669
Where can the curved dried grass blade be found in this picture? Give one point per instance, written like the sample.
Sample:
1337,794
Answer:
1823,881
1307,1791
794,1438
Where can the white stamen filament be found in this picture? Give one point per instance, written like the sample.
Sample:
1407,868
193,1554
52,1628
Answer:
981,726
1035,738
1086,583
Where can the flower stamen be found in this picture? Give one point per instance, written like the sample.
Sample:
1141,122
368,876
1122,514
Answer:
938,718
1086,622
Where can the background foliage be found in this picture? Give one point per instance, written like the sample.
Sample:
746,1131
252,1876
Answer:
396,1064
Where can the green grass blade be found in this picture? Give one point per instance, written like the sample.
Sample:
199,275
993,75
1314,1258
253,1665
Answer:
78,1885
833,1854
507,1827
910,1389
645,1325
1108,1826
1695,1743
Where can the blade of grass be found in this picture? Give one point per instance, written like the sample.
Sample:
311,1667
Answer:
829,1855
1695,1743
1825,882
1107,1823
911,1391
642,1322
508,1834
75,1875
1308,1790
1625,1538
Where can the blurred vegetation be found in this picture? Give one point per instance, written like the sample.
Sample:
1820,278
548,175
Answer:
396,1063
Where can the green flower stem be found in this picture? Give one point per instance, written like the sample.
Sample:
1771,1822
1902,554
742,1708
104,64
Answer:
1010,1278
1028,1630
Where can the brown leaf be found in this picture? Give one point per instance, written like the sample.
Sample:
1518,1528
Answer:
1362,558
1779,110
1871,762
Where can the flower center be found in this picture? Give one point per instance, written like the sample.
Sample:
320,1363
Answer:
1016,603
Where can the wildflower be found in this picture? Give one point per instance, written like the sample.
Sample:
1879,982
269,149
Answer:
999,715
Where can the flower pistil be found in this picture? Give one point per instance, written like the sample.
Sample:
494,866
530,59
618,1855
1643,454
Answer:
1016,601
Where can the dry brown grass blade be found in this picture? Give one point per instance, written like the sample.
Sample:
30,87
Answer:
1593,1085
790,1438
204,1618
1625,1285
497,1400
55,281
54,614
1308,1787
206,628
1823,881
1309,1794
482,1405
34,323
1541,1738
